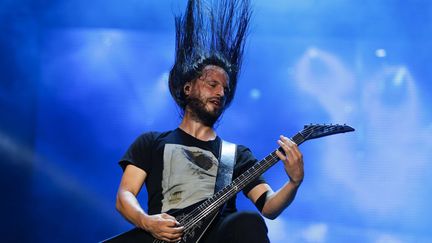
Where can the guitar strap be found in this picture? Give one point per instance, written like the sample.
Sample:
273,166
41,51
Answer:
226,165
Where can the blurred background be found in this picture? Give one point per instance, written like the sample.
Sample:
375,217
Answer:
80,80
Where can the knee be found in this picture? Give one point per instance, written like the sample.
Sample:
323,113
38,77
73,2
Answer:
244,227
249,220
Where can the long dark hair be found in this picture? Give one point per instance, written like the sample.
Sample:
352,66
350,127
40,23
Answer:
209,33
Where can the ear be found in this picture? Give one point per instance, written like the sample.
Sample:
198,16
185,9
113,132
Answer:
187,88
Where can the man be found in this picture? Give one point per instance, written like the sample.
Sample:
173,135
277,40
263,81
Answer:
180,167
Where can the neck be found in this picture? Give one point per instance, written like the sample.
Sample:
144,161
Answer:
197,129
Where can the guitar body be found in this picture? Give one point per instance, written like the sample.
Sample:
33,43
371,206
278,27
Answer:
191,234
197,218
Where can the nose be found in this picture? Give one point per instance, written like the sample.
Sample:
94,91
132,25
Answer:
220,91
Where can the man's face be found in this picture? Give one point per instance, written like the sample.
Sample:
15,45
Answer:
206,94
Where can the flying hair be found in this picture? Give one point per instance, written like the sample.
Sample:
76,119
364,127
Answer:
210,32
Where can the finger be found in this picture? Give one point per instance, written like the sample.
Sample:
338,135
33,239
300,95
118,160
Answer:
286,159
295,149
292,147
176,230
282,144
172,240
288,141
177,239
163,238
291,144
167,216
172,230
287,149
168,223
171,237
171,219
281,155
176,236
173,223
296,155
179,229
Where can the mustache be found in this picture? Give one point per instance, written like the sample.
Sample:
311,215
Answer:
219,100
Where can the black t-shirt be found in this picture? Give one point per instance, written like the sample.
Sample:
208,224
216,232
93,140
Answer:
181,170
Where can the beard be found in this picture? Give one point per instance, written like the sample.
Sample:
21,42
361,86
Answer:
200,113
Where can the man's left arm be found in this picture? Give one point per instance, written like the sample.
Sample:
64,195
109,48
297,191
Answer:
273,203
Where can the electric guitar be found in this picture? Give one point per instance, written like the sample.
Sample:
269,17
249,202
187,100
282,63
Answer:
198,217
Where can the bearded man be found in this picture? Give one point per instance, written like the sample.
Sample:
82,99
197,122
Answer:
183,167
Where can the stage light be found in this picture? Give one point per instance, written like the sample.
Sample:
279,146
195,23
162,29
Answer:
312,52
400,76
380,53
255,94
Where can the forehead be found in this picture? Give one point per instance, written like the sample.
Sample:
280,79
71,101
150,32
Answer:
214,73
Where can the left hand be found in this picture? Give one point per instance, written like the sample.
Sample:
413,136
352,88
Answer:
293,160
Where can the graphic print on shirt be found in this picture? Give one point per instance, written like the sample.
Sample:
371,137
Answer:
189,176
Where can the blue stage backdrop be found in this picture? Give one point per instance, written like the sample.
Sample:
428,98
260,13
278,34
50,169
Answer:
81,80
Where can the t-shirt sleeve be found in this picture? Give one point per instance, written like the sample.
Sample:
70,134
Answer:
245,160
139,152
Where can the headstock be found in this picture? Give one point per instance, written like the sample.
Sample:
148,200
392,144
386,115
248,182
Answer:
312,131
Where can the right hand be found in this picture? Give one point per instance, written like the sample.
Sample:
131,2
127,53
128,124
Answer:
163,227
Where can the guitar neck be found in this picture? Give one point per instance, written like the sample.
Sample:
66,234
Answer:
212,204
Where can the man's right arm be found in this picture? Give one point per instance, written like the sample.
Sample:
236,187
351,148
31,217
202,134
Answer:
161,226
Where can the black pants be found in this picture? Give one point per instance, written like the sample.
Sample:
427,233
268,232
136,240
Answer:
237,228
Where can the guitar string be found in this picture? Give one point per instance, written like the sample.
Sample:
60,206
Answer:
230,192
214,205
255,173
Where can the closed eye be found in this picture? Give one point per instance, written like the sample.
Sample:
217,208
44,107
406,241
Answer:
212,84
